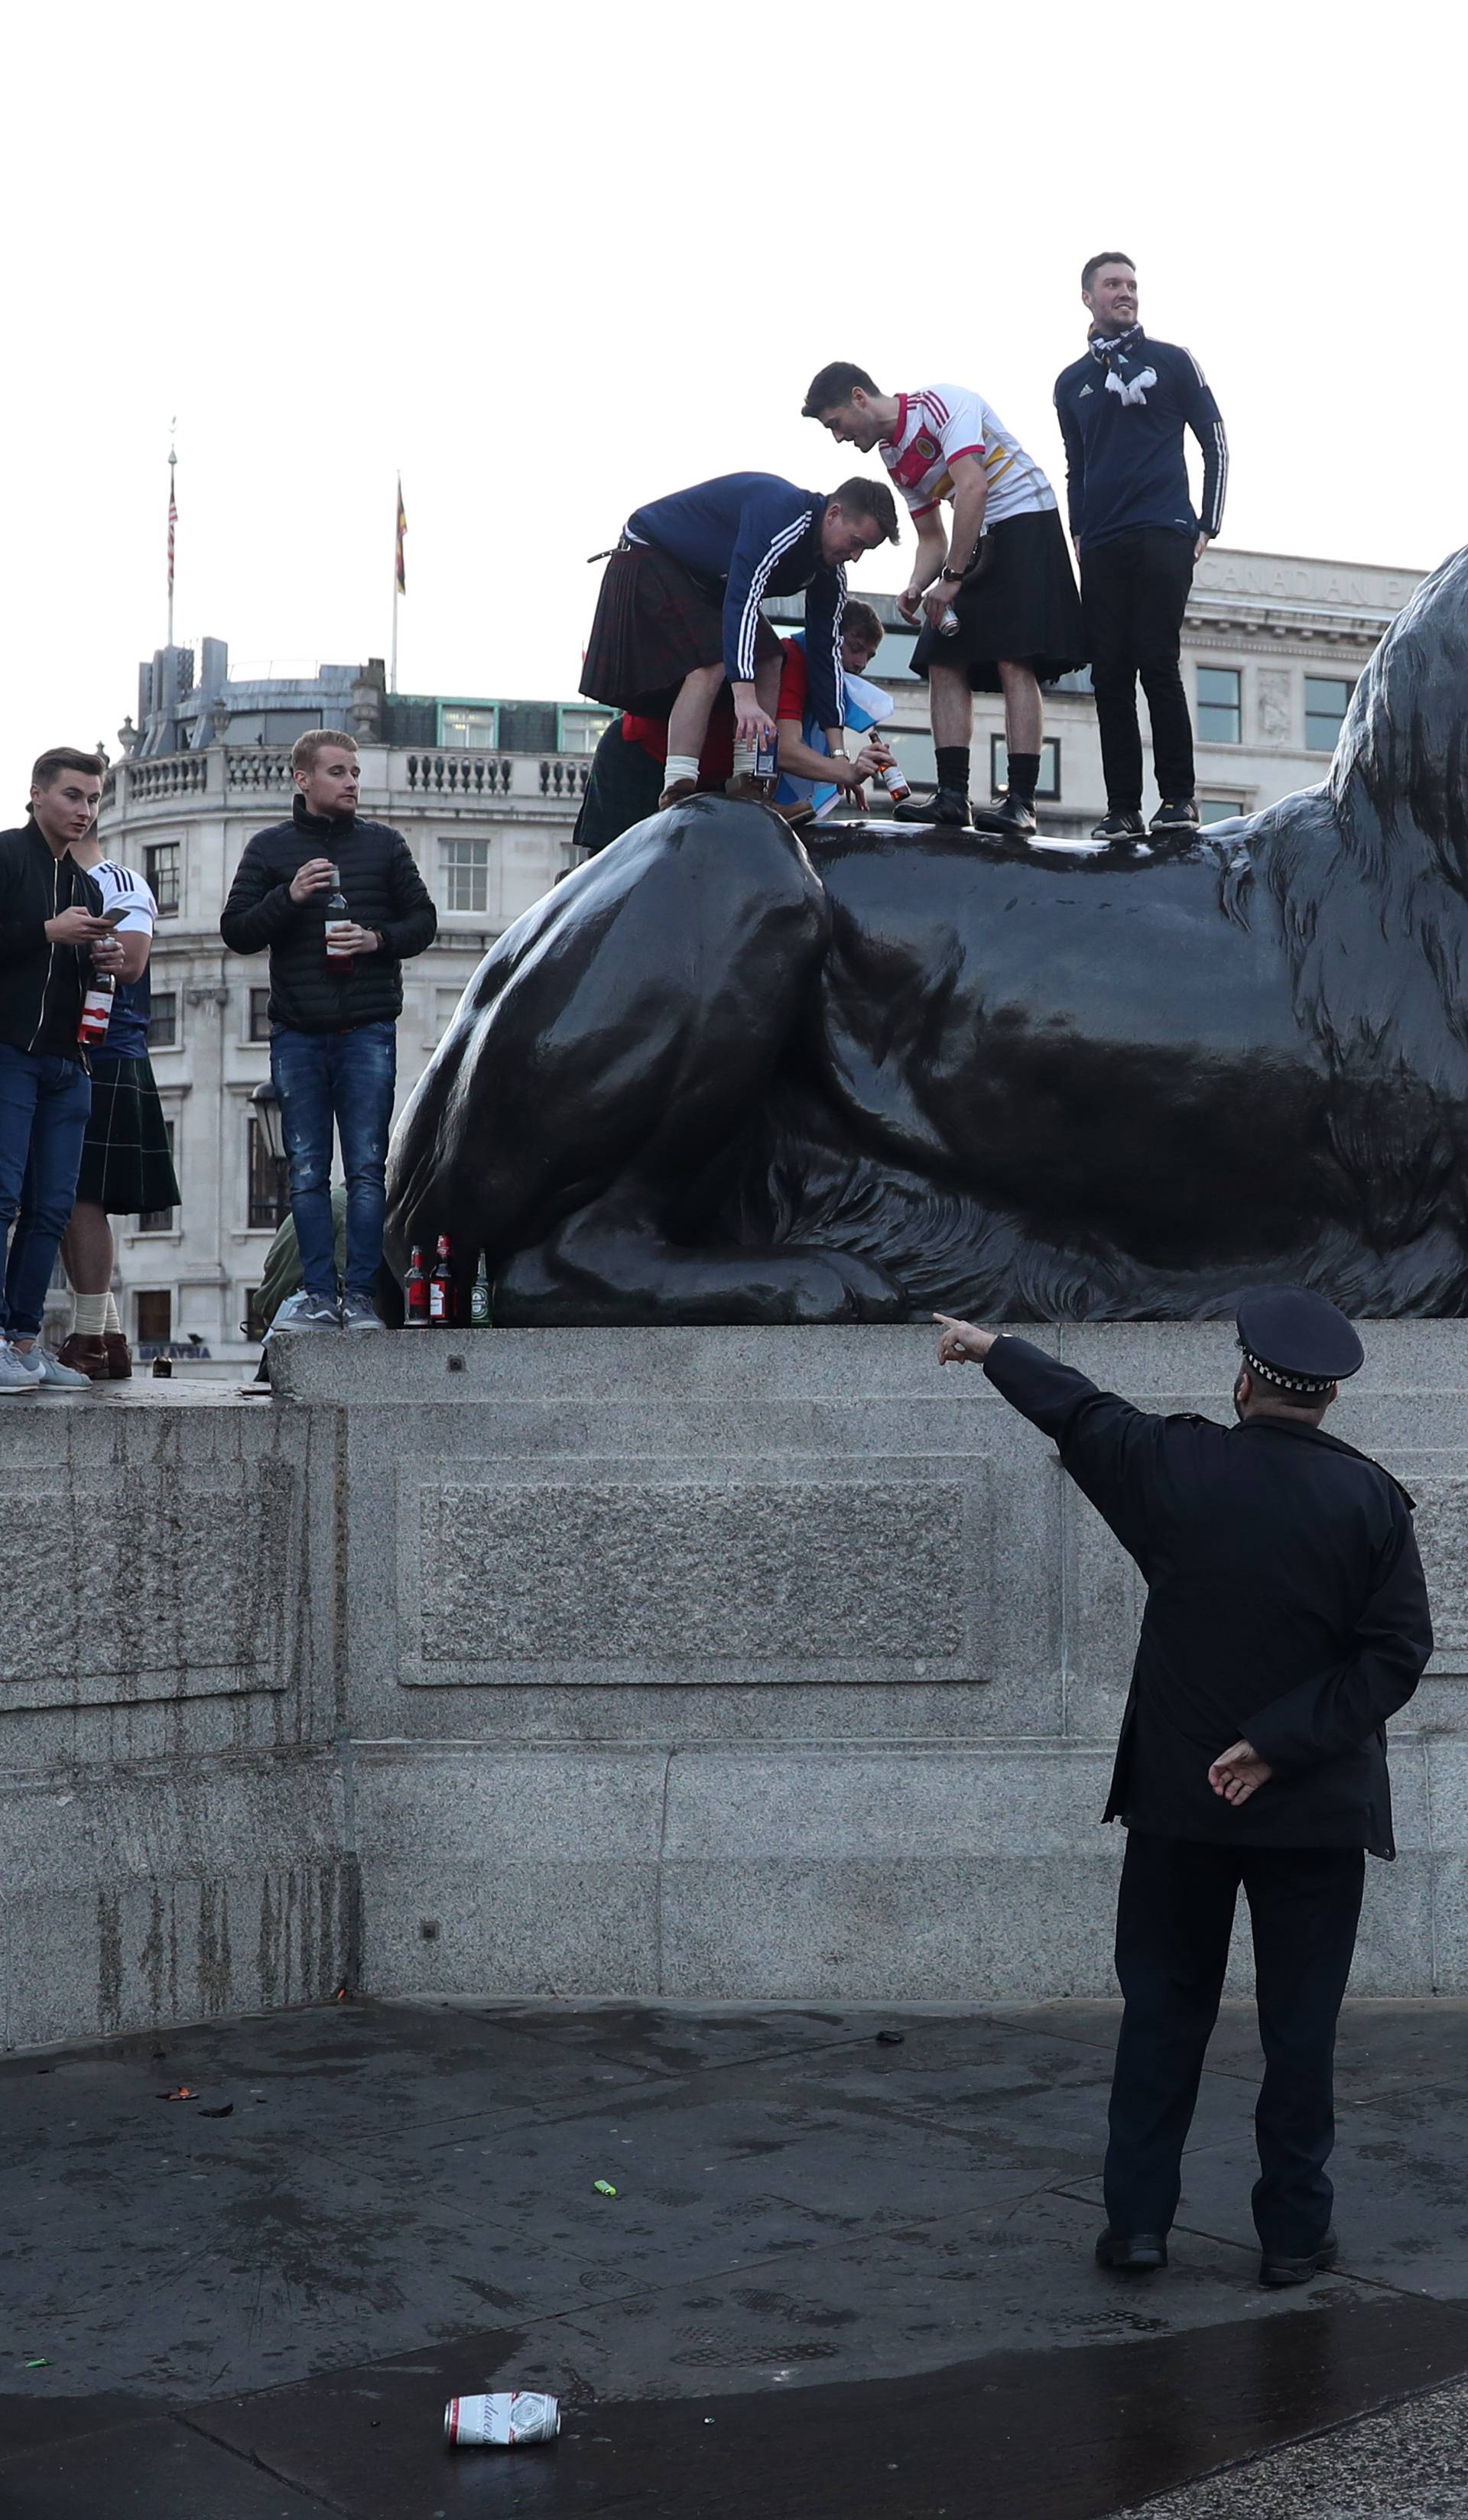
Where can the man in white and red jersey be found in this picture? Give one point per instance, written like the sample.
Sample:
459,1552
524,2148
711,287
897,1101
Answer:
1000,577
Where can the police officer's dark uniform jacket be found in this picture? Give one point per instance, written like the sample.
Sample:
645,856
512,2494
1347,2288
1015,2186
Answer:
1286,1607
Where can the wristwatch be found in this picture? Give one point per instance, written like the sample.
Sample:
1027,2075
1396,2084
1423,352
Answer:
956,575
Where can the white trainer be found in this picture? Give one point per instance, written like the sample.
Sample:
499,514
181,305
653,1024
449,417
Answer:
45,1372
14,1375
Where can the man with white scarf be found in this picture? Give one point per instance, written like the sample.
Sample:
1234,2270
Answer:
1122,410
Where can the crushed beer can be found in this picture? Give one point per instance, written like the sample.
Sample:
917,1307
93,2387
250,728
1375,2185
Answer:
502,2421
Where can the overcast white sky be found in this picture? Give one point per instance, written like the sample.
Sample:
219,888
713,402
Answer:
551,262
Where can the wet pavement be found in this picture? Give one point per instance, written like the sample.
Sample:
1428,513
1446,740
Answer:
841,2274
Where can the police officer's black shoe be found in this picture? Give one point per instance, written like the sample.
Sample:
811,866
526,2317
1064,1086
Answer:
1277,2271
946,805
1013,818
1178,815
1137,2253
1119,826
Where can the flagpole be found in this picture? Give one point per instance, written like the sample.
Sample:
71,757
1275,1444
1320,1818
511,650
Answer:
172,519
399,527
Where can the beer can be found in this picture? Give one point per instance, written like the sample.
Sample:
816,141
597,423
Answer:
502,2421
948,623
767,759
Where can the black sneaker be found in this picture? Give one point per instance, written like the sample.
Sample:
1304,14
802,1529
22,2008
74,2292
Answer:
1133,2253
946,805
1277,2271
1120,827
1178,815
1013,818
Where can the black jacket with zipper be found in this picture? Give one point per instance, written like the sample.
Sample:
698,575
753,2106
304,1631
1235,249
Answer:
383,890
41,984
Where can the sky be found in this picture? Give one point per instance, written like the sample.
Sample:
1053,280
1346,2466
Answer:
549,263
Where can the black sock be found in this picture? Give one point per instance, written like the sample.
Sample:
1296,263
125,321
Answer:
954,767
1024,772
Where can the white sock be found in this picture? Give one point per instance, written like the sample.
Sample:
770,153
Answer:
744,759
112,1326
680,765
89,1316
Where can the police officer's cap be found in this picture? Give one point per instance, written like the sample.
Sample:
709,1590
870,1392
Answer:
1298,1341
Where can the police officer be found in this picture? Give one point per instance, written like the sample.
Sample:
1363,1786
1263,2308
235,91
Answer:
1286,1619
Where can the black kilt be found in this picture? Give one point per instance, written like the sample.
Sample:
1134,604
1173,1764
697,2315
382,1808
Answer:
125,1164
1018,603
656,621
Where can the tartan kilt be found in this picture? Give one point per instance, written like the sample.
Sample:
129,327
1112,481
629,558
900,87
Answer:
125,1164
1019,602
654,622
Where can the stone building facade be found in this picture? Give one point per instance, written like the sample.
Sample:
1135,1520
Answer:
486,791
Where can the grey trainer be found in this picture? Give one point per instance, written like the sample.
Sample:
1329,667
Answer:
360,1313
16,1375
45,1372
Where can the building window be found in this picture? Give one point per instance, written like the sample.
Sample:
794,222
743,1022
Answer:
259,1015
163,1020
445,1008
158,1219
269,1185
1220,715
162,867
255,1323
1326,701
912,749
581,730
155,1321
1218,809
474,729
1048,783
465,865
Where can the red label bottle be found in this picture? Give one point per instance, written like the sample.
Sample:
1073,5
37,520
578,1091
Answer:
441,1306
415,1295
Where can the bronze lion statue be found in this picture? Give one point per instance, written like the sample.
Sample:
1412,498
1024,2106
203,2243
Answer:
720,1074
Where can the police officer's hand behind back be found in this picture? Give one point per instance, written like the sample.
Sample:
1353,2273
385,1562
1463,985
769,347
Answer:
1239,1773
962,1342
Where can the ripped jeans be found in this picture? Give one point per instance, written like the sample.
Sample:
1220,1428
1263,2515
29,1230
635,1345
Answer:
346,1078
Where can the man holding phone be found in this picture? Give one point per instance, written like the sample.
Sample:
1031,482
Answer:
52,934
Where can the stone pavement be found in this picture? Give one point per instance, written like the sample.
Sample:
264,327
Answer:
840,2275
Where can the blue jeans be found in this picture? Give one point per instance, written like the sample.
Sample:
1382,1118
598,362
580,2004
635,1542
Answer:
345,1077
44,1102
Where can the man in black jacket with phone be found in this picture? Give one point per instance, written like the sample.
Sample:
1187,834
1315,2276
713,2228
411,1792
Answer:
336,994
52,935
1286,1620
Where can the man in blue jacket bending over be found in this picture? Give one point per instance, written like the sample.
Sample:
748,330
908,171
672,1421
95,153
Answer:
679,609
1286,1620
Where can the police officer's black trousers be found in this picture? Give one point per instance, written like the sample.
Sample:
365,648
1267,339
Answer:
1173,1919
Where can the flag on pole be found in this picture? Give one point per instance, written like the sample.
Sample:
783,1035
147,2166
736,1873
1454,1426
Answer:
401,581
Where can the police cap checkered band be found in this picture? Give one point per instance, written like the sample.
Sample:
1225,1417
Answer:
1286,1381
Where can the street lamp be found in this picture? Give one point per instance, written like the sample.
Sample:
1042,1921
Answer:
265,1102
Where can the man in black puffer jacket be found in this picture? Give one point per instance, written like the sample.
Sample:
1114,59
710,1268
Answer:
333,1006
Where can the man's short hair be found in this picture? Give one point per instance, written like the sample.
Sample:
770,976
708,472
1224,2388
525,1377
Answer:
861,498
1089,269
833,386
860,617
50,766
316,739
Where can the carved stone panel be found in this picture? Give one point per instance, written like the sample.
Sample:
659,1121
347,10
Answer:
1441,1527
701,1574
176,1587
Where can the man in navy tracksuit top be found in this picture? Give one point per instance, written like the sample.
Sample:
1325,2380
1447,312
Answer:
679,607
1122,410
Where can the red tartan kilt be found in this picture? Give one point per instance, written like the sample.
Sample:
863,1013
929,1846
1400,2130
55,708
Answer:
656,622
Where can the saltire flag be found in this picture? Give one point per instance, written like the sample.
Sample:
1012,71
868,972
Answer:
402,527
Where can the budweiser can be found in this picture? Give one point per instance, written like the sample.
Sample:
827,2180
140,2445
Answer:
502,2422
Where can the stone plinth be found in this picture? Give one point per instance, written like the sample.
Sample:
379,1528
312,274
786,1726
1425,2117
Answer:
717,1663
